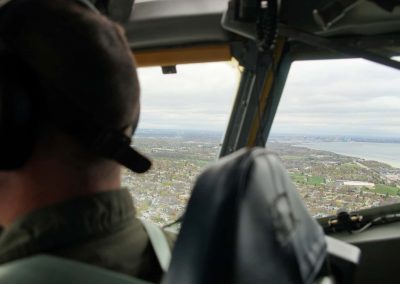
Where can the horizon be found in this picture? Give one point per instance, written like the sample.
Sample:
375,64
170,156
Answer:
272,135
344,97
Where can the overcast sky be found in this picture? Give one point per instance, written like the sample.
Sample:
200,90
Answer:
337,97
340,97
199,96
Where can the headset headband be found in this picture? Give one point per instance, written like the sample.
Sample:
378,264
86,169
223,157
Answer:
85,3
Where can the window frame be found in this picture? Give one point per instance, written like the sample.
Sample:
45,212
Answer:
296,51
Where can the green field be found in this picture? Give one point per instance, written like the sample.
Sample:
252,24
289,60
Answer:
315,180
201,163
298,178
385,189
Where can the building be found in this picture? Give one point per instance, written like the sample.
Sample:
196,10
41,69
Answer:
359,184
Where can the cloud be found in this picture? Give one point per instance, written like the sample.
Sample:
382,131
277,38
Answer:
340,97
199,96
337,97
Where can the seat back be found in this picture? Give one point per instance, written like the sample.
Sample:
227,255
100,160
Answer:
245,223
46,269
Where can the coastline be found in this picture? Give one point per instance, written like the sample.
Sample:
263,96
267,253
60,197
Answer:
388,153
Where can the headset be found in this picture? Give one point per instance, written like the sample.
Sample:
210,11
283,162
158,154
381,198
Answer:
19,108
18,112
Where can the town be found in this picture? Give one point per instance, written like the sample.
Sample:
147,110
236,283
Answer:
327,181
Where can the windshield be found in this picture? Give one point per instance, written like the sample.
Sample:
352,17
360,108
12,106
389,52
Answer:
337,132
183,119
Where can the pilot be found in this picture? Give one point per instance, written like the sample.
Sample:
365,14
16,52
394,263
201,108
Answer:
69,103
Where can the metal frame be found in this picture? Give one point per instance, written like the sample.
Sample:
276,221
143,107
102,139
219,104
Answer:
332,53
257,136
256,66
274,98
334,45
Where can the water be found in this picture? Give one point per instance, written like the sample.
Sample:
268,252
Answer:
388,153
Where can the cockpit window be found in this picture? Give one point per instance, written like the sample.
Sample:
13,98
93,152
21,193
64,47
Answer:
337,132
182,123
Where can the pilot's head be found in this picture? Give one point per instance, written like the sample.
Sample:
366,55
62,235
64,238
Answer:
69,102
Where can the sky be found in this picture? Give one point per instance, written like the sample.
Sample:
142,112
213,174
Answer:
340,97
329,97
199,96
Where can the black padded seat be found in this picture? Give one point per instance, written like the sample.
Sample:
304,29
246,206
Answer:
246,223
47,269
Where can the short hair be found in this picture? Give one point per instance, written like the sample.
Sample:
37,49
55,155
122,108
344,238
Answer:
77,56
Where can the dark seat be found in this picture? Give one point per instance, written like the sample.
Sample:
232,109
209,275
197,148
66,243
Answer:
245,223
46,269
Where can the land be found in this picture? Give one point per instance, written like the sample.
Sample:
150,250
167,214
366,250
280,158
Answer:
327,181
162,193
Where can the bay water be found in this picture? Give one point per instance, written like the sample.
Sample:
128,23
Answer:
388,153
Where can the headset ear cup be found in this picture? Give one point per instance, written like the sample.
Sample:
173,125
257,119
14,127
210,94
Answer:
17,119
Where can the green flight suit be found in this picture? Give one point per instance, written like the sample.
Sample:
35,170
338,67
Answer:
99,229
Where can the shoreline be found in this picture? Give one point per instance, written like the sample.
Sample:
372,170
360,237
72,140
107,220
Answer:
330,147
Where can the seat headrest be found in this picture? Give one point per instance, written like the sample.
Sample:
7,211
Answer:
246,223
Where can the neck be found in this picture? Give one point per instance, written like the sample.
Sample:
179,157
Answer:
48,181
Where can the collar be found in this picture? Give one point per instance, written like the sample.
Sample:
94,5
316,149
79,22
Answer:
65,223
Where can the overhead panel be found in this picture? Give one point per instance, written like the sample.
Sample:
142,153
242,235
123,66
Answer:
176,22
366,18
